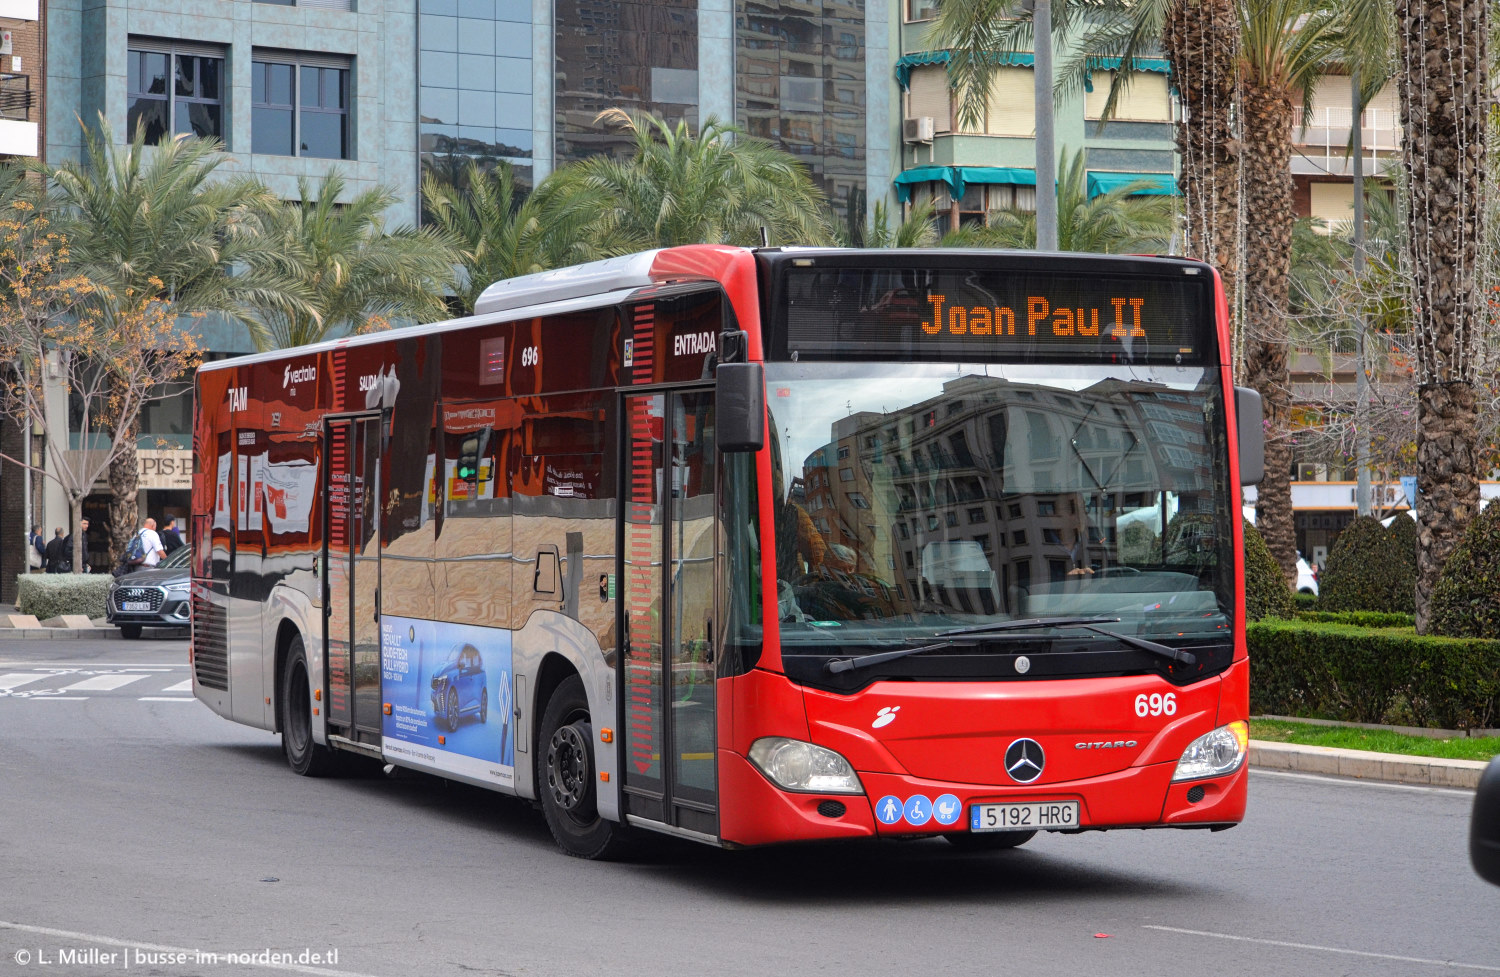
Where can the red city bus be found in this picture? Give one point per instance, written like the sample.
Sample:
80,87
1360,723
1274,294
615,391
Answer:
753,546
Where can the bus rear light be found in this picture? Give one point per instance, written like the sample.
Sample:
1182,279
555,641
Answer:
794,765
1215,753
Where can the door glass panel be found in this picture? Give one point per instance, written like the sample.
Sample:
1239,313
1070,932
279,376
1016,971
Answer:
691,576
339,572
642,678
366,536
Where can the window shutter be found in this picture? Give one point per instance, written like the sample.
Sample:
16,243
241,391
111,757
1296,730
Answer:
928,96
1012,109
1145,100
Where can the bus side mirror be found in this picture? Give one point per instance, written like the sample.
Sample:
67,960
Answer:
740,407
1484,829
1252,435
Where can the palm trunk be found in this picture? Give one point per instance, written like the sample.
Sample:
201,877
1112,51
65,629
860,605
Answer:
1268,252
1202,44
1443,75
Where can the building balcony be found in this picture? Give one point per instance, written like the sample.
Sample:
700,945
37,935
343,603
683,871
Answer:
18,134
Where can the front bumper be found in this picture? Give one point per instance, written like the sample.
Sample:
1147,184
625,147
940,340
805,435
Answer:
1136,797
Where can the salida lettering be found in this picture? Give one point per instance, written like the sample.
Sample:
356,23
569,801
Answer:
694,344
1124,319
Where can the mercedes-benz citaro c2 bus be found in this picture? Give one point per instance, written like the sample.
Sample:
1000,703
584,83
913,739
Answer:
753,546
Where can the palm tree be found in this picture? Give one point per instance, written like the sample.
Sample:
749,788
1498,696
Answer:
498,233
916,230
1120,221
1201,42
358,275
158,226
1444,83
717,187
1285,46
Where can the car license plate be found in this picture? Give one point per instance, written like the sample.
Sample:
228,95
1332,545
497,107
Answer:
136,605
1034,816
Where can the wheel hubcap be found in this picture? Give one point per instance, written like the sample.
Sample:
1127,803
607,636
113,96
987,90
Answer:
568,765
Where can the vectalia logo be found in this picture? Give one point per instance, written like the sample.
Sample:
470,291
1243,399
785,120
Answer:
304,374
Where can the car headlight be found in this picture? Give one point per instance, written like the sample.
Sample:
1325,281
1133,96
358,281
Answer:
795,765
1215,754
178,588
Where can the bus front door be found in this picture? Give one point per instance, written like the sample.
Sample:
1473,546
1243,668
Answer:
668,610
351,493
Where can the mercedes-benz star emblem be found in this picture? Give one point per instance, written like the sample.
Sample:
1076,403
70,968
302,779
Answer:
1024,760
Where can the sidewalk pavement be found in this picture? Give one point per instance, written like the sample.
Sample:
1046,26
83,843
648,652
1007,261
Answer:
1388,767
1264,755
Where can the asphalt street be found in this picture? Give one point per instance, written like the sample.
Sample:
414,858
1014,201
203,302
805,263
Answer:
139,832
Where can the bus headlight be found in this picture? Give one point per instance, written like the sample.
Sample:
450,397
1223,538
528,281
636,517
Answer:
1214,754
795,765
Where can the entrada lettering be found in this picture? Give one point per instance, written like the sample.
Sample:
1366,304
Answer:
694,344
1000,320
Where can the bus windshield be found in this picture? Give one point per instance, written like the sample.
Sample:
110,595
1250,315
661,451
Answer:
912,499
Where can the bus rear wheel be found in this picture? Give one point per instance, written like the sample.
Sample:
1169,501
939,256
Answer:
566,778
988,841
303,755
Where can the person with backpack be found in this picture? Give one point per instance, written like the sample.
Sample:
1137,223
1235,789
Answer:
143,550
36,557
59,560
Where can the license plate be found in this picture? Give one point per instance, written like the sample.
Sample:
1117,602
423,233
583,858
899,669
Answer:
1034,816
136,605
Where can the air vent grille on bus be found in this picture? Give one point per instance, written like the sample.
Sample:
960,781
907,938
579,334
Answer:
210,644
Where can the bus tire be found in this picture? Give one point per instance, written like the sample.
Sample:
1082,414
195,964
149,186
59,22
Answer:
566,777
988,841
303,755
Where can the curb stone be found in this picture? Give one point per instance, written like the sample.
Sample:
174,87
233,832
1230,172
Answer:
1390,767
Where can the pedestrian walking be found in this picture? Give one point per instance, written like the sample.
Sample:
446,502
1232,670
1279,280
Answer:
151,543
58,560
171,539
36,549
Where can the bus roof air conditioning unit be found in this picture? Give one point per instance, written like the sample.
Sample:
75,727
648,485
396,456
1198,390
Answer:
917,131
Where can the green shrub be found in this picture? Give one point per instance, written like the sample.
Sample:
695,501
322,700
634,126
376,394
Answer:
1368,675
1466,600
49,594
1371,568
1360,619
1266,592
1304,602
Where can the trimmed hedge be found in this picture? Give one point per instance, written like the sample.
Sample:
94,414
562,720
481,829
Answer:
1304,602
1339,671
1266,592
1371,568
1466,600
49,594
1360,619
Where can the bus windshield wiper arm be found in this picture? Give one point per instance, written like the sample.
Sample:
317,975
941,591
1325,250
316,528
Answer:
850,664
1087,624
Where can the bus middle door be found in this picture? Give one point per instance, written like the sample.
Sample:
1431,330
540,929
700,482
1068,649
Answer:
668,609
352,494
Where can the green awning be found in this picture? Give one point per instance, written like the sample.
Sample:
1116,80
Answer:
959,177
1157,184
906,62
1099,63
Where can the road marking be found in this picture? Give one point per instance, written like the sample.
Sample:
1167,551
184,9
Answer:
59,698
17,679
102,683
186,686
1350,782
168,698
294,968
1325,949
33,663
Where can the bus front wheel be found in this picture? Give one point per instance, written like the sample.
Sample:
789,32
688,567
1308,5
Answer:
567,775
303,755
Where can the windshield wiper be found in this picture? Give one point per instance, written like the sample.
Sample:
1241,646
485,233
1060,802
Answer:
1087,624
850,664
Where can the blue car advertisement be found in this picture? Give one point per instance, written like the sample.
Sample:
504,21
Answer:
448,686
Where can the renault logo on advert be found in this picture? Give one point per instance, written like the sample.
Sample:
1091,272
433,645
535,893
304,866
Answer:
1024,760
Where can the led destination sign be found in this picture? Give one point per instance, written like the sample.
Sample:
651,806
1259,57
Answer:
1030,315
